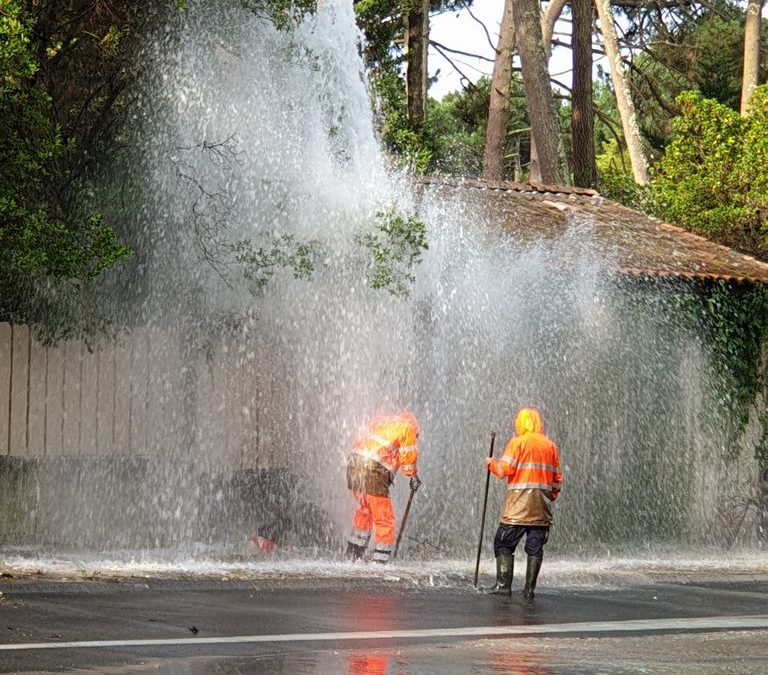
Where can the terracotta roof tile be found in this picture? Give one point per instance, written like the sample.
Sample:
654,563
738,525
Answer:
643,246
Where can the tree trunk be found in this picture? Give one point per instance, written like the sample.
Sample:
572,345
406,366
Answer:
623,98
582,112
545,129
498,109
548,19
416,42
751,76
518,172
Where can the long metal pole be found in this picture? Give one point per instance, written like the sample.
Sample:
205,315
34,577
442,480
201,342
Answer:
485,506
403,522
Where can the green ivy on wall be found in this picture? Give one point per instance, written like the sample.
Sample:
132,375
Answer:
731,322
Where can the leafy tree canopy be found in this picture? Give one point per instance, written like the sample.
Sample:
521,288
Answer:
452,139
713,178
51,242
383,26
704,53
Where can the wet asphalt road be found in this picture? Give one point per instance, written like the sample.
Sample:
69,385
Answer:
379,627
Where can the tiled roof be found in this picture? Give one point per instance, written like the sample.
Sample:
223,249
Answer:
640,245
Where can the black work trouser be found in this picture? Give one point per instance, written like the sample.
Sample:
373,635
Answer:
508,537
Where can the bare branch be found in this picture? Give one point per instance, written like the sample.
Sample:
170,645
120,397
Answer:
466,83
458,51
548,20
671,109
221,152
487,34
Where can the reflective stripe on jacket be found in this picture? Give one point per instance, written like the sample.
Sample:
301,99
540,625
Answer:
391,442
531,465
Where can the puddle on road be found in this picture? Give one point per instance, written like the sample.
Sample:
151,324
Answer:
617,572
744,652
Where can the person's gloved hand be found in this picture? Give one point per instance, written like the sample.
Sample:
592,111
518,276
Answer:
415,483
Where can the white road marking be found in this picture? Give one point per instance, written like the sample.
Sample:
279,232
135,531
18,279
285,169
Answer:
759,621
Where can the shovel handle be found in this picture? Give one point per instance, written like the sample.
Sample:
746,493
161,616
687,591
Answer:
403,522
485,506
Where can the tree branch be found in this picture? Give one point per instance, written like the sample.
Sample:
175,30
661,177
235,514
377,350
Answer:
469,86
458,51
487,34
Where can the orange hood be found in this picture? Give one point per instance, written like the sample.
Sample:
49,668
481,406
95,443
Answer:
396,423
528,421
409,419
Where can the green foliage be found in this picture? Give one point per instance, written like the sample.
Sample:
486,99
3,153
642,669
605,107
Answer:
455,131
713,55
284,14
399,137
16,61
607,120
736,325
703,54
694,49
395,249
615,178
453,136
452,139
382,23
732,321
51,243
614,168
712,178
261,263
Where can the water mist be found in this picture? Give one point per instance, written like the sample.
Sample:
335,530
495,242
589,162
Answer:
247,133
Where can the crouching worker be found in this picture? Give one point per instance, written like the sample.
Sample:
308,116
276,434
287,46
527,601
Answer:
531,465
388,446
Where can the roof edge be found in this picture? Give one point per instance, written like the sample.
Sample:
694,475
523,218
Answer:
739,276
682,232
481,184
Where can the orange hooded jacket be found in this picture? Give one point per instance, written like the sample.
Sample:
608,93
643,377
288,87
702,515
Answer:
531,465
389,446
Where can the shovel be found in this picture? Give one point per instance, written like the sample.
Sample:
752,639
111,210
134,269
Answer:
485,506
403,522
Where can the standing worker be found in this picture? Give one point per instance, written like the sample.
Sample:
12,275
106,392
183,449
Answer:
388,445
531,466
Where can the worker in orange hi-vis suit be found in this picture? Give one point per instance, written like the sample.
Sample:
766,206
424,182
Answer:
531,465
387,446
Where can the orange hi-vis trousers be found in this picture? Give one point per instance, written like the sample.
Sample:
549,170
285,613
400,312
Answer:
379,514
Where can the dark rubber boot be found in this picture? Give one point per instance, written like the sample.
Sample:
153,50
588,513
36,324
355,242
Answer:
531,574
354,552
505,568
